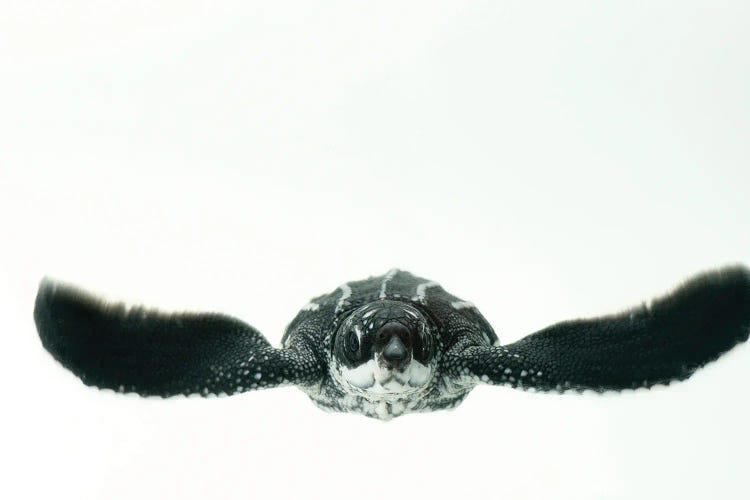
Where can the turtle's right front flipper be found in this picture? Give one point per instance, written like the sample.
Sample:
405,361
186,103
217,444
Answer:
155,353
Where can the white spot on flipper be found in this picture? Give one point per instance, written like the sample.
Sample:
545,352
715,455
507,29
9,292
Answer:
257,376
311,306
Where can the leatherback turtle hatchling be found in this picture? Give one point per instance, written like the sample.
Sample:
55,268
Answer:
392,344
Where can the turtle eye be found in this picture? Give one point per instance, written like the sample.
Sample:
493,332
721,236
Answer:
420,345
352,342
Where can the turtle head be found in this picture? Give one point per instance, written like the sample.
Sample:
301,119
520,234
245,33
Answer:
384,347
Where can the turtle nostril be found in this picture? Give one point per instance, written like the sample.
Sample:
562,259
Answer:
395,351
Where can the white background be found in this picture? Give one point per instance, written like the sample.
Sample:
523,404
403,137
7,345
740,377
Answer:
545,160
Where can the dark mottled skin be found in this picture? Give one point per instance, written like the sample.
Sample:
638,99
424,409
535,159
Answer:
652,344
153,353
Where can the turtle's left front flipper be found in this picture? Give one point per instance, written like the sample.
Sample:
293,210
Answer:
666,340
154,353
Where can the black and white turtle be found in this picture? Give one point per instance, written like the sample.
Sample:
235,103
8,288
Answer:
393,344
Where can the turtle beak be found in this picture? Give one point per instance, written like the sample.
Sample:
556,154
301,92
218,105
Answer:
395,353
